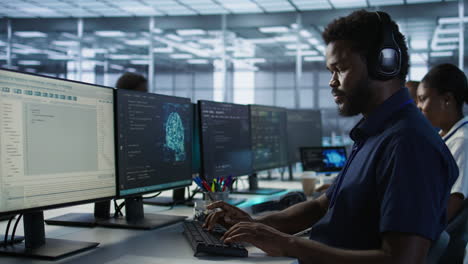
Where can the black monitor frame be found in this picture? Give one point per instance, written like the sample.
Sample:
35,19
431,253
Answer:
202,143
286,160
135,217
120,196
303,161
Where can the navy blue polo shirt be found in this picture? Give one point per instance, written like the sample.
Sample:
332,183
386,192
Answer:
397,179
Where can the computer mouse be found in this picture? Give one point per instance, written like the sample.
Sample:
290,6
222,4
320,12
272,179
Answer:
291,198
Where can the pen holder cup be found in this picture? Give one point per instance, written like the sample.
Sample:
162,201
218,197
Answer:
200,210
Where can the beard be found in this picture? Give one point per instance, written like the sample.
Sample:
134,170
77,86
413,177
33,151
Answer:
356,99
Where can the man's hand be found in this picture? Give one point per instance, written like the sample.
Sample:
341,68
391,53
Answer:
268,239
228,216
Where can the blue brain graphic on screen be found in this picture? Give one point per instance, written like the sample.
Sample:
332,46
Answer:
175,136
334,158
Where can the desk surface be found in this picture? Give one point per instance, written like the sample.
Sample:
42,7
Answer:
125,246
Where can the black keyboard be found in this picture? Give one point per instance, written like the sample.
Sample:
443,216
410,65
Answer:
208,242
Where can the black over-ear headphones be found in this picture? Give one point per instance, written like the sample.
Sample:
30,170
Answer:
386,63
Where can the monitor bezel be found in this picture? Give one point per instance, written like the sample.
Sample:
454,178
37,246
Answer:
195,126
61,205
202,152
291,159
120,196
286,161
303,149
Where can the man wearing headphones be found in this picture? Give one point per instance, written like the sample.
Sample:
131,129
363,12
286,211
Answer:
389,202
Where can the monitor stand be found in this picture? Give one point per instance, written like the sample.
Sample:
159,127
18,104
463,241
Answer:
135,218
36,245
269,177
178,197
254,189
101,211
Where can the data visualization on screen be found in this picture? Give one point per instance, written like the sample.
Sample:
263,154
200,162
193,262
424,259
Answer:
57,142
304,130
225,135
269,137
323,159
155,142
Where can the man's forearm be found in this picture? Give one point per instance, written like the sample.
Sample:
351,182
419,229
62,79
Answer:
309,251
295,218
396,248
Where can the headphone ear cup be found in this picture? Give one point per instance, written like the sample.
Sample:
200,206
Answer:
387,61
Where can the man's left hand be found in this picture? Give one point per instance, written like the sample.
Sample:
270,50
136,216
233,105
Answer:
268,239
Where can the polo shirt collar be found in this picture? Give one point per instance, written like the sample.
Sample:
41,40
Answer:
376,120
455,127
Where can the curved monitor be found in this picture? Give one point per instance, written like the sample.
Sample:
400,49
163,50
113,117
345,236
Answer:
57,139
154,142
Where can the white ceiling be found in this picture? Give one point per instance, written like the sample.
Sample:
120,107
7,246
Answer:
128,8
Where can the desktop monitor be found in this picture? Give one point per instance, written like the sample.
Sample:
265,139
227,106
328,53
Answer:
57,140
196,152
225,139
269,137
304,129
154,139
323,159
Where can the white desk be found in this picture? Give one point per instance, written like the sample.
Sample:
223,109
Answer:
125,246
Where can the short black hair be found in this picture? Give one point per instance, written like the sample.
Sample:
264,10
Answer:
448,78
364,30
131,81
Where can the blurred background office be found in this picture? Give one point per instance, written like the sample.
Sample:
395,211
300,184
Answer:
267,52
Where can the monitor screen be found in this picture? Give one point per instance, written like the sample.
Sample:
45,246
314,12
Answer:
323,159
57,139
225,138
155,142
304,130
269,137
196,155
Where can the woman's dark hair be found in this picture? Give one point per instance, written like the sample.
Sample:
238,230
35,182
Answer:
448,78
364,30
131,81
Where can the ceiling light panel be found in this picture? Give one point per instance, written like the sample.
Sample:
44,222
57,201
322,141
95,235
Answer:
280,29
385,2
190,32
312,5
348,3
421,1
30,34
275,6
240,6
110,33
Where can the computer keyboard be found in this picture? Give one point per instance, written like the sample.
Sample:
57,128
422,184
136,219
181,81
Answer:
208,242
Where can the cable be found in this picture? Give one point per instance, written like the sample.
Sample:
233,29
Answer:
8,230
194,192
117,208
153,196
12,240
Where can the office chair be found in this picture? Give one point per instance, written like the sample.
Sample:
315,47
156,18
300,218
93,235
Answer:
458,231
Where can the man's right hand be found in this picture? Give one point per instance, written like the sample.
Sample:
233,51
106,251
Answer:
228,216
